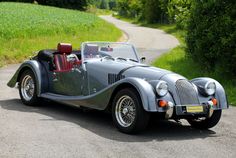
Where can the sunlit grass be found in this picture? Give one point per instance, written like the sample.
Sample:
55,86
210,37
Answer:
25,28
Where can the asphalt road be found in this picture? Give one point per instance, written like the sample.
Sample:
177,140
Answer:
150,43
54,130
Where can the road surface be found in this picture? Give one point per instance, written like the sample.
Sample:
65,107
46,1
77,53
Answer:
54,130
150,43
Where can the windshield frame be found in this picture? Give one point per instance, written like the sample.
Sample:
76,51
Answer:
97,42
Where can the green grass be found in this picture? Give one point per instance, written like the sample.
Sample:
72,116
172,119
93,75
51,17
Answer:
98,11
25,28
127,19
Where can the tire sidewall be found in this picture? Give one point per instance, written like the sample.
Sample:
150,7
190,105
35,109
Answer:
208,122
34,100
141,116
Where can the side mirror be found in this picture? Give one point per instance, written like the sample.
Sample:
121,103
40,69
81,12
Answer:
143,59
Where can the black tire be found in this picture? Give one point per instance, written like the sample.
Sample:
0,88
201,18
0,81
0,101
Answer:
34,100
141,117
208,122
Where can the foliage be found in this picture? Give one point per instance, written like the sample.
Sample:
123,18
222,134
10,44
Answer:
153,12
93,9
25,28
131,8
177,61
123,7
178,12
71,4
26,1
212,35
112,4
104,4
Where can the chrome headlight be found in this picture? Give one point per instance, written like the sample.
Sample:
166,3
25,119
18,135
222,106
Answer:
210,88
162,88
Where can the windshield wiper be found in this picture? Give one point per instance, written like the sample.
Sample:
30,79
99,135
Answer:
107,58
133,60
120,58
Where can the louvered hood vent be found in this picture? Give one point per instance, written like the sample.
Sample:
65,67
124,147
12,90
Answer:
112,78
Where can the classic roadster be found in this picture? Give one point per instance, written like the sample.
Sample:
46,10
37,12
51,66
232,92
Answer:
110,76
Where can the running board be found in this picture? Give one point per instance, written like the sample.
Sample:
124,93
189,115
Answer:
92,101
59,97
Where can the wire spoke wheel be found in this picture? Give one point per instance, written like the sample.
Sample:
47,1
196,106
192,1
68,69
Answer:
27,87
125,111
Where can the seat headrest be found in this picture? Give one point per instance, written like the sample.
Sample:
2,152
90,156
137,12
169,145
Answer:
64,48
91,49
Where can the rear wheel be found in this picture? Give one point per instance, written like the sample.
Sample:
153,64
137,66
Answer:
128,113
28,89
206,122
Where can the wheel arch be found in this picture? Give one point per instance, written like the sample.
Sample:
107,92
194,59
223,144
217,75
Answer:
144,90
220,92
116,90
35,67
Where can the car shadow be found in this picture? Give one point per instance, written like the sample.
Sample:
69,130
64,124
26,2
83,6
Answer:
100,123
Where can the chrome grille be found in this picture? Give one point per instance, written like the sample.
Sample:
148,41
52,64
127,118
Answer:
186,92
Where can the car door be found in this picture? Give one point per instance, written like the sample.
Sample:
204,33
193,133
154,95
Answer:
68,79
68,83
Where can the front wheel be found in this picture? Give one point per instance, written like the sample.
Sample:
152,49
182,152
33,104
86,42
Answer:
206,122
27,88
128,113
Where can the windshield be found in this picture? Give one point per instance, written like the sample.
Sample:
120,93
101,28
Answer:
92,50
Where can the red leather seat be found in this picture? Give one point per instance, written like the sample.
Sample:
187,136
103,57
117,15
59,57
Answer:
60,59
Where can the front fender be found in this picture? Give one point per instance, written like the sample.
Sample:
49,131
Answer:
220,94
35,67
145,91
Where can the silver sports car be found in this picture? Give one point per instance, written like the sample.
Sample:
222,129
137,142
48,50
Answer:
110,76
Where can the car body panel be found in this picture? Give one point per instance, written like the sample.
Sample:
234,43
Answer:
35,67
95,82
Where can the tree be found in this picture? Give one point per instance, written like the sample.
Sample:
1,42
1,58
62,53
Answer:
152,11
104,4
211,35
178,12
71,4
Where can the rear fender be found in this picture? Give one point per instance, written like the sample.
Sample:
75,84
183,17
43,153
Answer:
35,67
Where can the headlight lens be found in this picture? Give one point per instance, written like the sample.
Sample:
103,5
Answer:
210,88
162,88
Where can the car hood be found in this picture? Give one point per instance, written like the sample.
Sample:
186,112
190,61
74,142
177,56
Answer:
131,69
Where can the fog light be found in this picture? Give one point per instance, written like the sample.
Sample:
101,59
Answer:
214,101
162,103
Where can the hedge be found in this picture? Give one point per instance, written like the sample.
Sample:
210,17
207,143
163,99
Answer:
26,1
71,4
211,37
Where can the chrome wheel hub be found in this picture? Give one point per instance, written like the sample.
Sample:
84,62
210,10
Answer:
125,111
27,88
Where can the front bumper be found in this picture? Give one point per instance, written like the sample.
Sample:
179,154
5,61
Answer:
181,111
